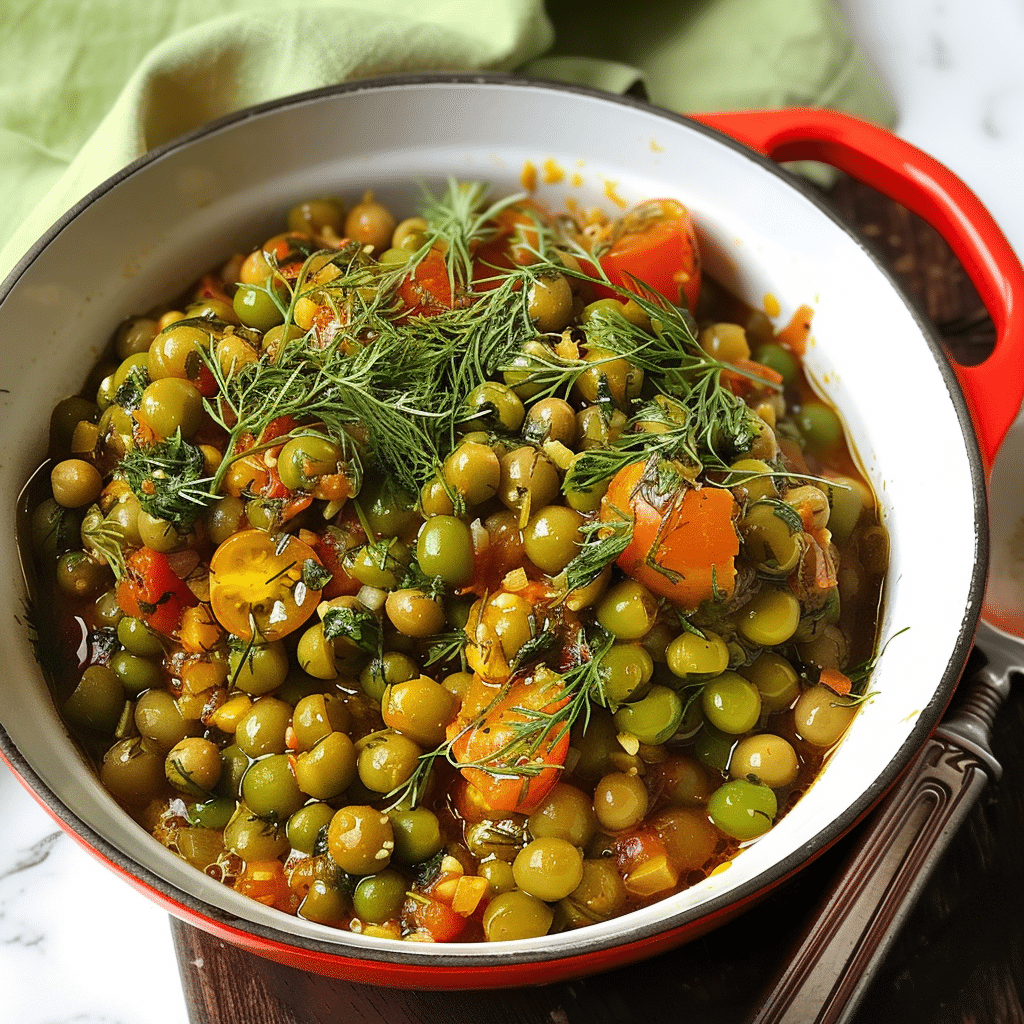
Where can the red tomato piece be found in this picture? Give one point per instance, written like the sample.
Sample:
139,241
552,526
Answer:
150,590
655,244
689,533
490,739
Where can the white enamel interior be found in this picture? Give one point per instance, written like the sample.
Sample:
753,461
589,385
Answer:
156,229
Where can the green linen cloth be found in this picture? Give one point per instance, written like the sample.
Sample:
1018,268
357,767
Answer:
87,86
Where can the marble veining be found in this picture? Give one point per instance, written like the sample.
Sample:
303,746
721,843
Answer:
80,946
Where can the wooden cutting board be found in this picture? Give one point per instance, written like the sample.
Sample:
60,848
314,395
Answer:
960,958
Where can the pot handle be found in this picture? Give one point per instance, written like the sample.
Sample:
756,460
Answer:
876,157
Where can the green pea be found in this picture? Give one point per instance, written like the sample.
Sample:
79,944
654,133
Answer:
315,653
136,674
259,669
124,519
214,813
313,215
770,541
307,825
379,565
52,528
97,701
414,612
158,718
135,336
627,610
391,667
499,874
731,703
771,617
775,679
548,868
580,496
691,656
473,471
553,537
444,548
378,898
132,771
625,670
327,769
566,813
528,478
193,766
178,352
225,517
655,718
524,369
171,404
550,302
779,359
419,708
254,838
108,612
820,427
610,375
743,809
138,639
493,406
257,307
385,760
360,840
269,788
417,835
81,575
751,480
770,758
324,903
713,748
65,417
600,895
318,715
389,511
620,801
848,498
516,915
550,419
234,764
159,534
304,460
261,730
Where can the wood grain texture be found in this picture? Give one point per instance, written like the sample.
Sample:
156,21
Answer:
959,958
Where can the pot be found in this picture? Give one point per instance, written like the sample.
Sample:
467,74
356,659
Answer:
155,226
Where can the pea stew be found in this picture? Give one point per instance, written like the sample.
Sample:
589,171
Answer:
462,577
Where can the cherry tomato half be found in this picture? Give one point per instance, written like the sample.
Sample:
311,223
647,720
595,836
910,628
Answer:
257,579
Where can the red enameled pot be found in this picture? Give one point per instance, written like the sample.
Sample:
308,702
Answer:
147,232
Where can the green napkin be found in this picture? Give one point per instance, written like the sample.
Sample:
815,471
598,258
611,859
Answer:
87,86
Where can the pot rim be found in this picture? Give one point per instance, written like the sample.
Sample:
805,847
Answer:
480,955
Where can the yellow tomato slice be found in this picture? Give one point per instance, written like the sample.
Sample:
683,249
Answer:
258,581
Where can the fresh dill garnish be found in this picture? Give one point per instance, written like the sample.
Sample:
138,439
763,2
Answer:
603,542
168,480
357,625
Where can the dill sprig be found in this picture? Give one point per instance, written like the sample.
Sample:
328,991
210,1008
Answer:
460,221
167,478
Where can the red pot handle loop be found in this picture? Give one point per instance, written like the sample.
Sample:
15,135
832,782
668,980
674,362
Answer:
902,172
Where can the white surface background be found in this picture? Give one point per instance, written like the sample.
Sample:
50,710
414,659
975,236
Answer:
79,945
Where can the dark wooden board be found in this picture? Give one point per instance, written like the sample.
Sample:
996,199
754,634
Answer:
960,957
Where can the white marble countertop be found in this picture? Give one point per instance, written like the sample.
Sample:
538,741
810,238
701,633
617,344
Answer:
954,69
